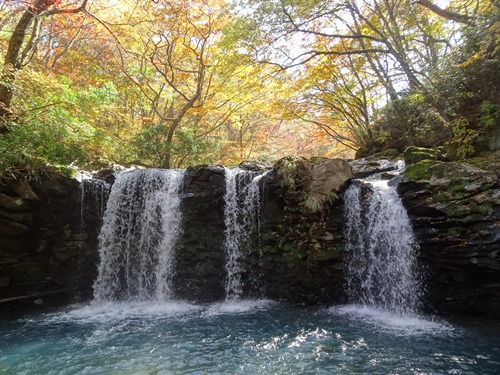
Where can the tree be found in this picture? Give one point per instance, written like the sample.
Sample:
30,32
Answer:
22,45
339,94
397,43
172,60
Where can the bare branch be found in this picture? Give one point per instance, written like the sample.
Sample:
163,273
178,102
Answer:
452,16
51,12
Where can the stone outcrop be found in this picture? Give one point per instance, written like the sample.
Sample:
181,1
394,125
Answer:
200,256
40,238
311,184
455,211
414,154
297,256
302,230
48,251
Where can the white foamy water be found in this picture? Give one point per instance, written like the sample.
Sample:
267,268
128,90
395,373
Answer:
241,219
113,312
105,312
237,307
141,225
381,269
396,323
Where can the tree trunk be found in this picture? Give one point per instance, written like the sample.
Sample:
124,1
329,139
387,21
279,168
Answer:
12,62
167,161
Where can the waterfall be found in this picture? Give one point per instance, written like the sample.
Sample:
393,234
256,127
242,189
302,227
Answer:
381,261
141,225
95,194
241,219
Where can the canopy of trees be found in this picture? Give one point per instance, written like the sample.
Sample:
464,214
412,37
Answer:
172,83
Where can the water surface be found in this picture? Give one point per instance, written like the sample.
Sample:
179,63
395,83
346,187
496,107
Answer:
245,337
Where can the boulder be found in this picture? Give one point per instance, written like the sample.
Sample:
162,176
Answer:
255,165
362,168
414,154
329,175
312,183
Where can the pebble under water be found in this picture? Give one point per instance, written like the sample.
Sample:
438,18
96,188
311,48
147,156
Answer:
243,337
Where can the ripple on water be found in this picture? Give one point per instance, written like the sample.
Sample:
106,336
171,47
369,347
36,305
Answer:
121,311
237,307
244,337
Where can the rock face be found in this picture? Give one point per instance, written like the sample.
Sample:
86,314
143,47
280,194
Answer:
302,230
302,252
200,257
48,251
298,255
455,211
40,238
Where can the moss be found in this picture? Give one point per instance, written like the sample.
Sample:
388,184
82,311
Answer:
415,154
489,161
441,198
459,187
472,217
484,209
314,202
294,173
65,170
390,153
423,170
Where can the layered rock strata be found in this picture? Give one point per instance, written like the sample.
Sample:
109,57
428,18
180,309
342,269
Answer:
455,211
40,238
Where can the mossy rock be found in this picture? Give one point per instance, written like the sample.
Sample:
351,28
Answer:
454,174
423,170
489,161
413,154
293,172
389,154
325,252
65,170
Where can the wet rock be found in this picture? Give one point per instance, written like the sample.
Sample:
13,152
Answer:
362,168
107,175
12,228
15,203
255,165
35,216
455,211
200,259
23,189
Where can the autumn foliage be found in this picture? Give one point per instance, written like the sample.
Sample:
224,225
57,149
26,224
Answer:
172,83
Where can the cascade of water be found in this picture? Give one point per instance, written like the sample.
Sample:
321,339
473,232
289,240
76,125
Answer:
241,218
95,194
381,261
140,229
